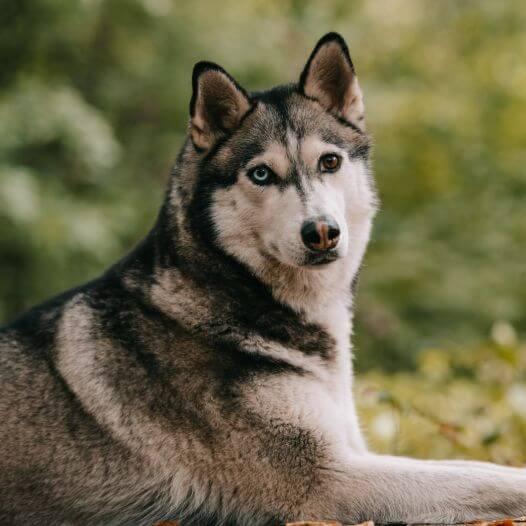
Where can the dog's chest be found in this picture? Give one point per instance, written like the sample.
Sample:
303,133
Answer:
320,400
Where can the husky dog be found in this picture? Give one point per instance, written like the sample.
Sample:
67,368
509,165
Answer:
208,375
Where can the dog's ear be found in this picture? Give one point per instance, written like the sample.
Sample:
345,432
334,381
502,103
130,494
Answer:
330,78
218,104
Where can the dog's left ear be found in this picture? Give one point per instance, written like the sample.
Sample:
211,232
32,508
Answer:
330,78
218,104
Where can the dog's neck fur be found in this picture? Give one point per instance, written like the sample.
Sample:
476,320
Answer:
310,291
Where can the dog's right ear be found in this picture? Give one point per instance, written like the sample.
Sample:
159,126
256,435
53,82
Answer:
218,104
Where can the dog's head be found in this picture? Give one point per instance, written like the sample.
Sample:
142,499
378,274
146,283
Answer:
283,175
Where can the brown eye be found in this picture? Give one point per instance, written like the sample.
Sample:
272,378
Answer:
330,162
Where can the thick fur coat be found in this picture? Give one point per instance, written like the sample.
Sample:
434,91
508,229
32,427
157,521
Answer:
208,375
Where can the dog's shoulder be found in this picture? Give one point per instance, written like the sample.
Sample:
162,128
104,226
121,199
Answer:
33,332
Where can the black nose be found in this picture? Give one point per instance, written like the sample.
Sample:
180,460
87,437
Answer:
320,233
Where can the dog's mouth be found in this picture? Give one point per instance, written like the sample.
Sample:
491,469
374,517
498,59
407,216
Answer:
310,259
316,259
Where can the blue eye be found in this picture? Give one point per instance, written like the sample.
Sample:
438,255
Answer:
260,175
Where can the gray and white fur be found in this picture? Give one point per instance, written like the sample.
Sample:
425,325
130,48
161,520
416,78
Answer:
208,375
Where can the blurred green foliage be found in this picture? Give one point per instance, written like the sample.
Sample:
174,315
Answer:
93,107
459,403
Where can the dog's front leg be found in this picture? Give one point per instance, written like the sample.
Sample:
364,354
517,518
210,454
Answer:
465,464
485,466
391,489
